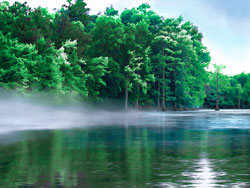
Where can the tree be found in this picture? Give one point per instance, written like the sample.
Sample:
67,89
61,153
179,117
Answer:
109,41
47,69
138,74
110,11
113,80
219,82
168,62
77,11
17,62
240,91
96,70
246,92
132,74
69,24
74,78
197,58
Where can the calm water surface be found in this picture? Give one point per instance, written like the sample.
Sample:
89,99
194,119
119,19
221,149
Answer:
183,149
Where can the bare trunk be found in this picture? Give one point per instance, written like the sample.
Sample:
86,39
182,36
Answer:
137,99
158,100
163,90
88,90
163,84
136,104
239,100
175,106
175,91
217,94
126,97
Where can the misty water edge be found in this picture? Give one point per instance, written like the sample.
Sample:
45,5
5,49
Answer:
45,146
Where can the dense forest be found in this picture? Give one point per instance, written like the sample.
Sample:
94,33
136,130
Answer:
135,56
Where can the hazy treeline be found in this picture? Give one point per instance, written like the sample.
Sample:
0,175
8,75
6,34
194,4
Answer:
136,56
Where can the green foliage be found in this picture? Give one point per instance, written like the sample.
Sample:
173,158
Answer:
78,11
108,36
110,11
96,69
231,92
74,78
113,80
70,25
17,61
137,55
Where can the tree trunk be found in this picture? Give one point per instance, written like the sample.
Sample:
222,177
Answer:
126,97
163,89
239,100
217,93
175,103
137,98
175,106
137,104
163,83
158,100
88,89
175,93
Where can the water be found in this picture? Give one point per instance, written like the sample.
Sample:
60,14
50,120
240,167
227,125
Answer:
183,149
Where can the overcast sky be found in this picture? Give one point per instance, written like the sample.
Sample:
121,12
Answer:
225,24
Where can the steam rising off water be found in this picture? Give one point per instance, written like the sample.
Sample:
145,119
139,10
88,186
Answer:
21,114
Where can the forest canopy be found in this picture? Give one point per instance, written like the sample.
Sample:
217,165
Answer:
135,56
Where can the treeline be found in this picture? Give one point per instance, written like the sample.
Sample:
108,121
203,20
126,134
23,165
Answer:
136,56
234,91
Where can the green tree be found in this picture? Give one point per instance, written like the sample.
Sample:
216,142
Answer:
109,41
110,11
166,62
132,74
246,92
218,75
69,24
74,78
96,70
138,74
17,61
240,91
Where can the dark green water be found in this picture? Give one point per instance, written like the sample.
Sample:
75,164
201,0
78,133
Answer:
183,150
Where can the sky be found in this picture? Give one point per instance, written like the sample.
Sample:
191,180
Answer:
225,24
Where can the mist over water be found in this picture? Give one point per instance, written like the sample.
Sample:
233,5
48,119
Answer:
21,114
17,113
